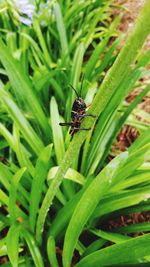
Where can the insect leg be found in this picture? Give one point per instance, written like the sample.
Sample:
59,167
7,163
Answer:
84,129
87,115
65,123
76,129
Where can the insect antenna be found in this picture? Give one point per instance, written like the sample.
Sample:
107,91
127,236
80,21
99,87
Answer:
82,79
74,90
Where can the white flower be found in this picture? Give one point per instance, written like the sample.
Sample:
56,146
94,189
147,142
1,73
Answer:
26,11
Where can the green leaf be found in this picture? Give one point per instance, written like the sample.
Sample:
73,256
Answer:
135,228
95,245
21,152
51,252
113,237
121,200
4,198
42,42
61,29
86,205
13,194
99,49
124,117
12,242
127,252
109,124
3,247
39,178
57,131
22,86
63,216
76,71
34,250
137,178
136,158
7,135
77,64
141,141
71,174
5,176
34,46
23,125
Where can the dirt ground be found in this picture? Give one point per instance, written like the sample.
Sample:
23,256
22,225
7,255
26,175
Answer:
130,10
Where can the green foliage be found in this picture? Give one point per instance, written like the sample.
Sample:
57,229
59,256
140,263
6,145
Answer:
53,187
51,251
41,170
13,244
117,254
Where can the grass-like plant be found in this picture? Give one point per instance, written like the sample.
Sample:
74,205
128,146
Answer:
56,190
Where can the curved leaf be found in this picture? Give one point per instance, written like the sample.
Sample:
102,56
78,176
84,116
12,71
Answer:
71,174
127,252
13,194
57,131
23,87
12,242
51,251
39,178
87,204
21,122
34,250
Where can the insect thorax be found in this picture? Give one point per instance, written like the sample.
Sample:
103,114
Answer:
79,105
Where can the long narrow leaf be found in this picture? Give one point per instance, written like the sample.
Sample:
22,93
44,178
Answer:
13,194
41,170
61,29
86,205
24,126
34,250
57,131
12,242
71,174
126,252
51,251
22,85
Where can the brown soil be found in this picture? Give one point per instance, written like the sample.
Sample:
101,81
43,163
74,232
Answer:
126,220
130,11
3,260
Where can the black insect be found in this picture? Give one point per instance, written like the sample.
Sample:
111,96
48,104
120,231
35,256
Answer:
77,114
